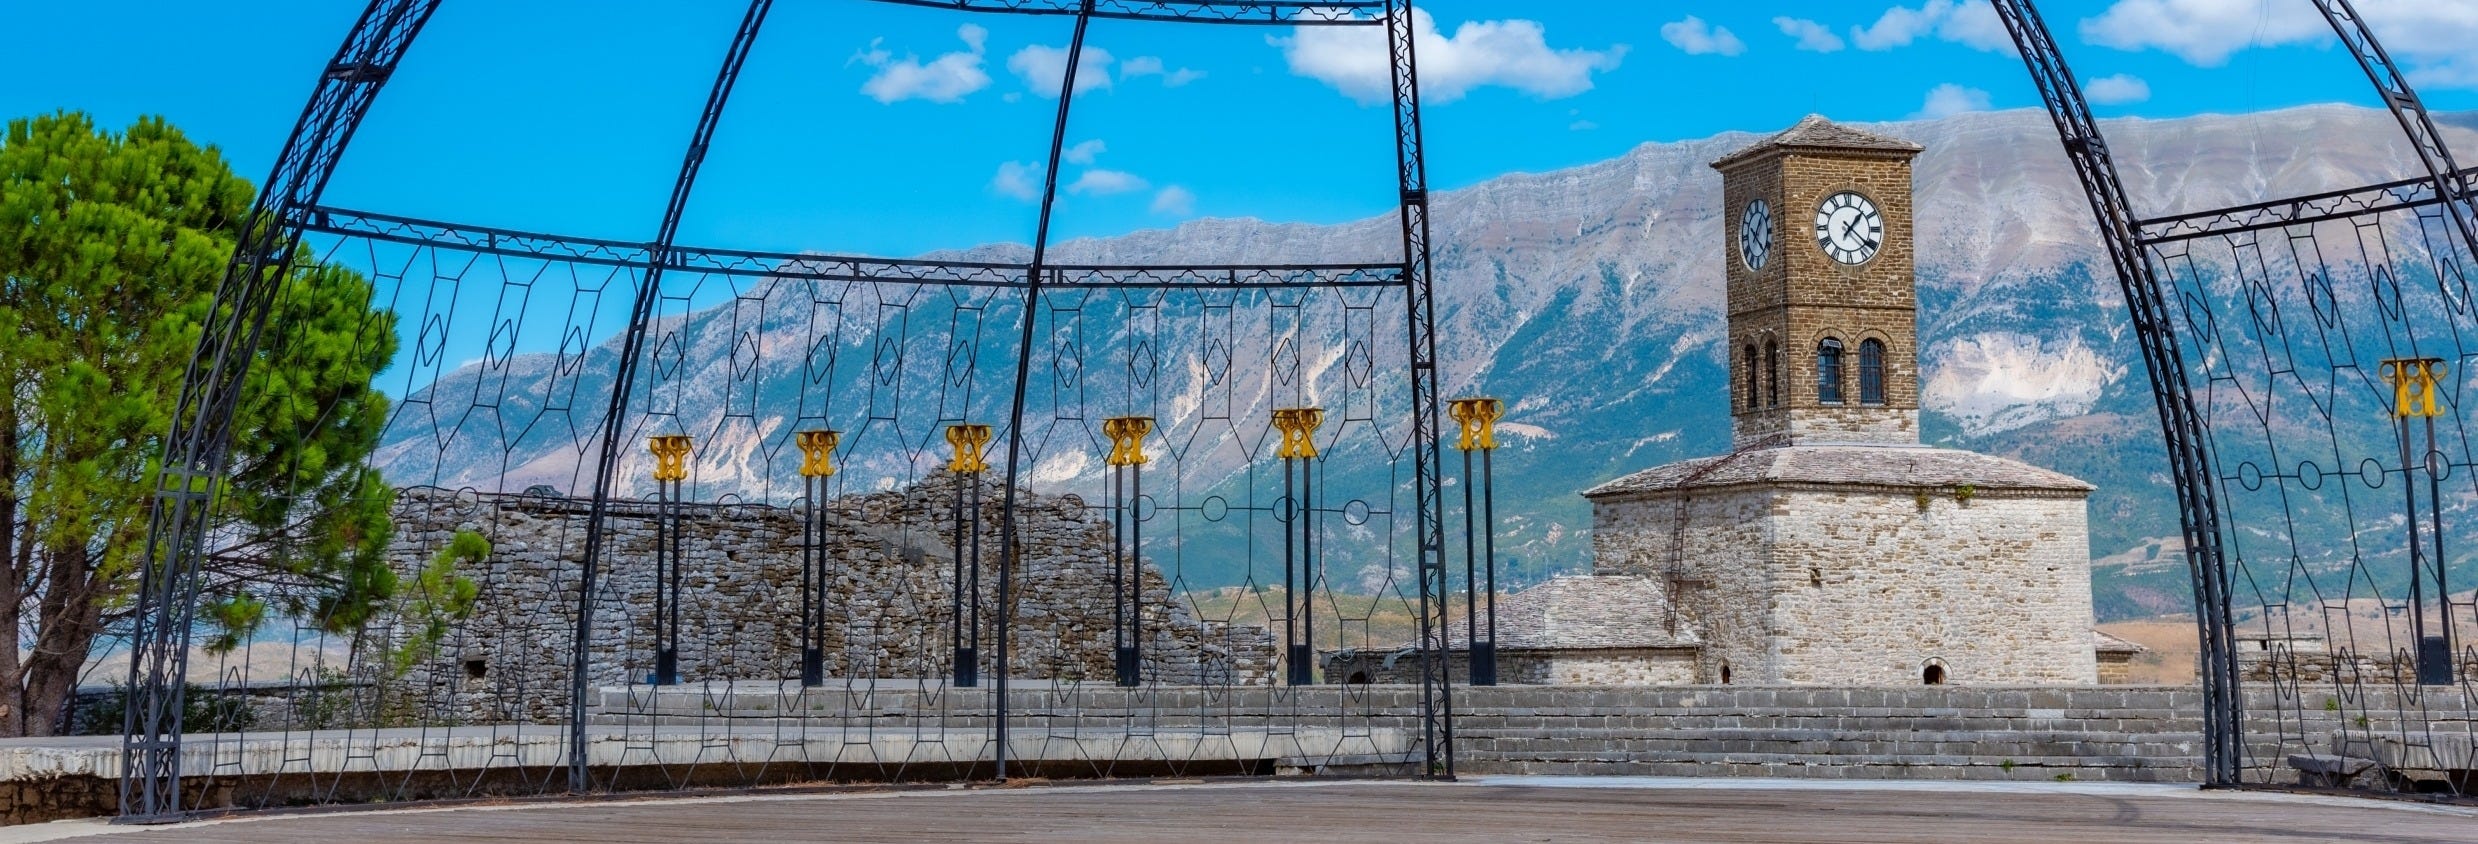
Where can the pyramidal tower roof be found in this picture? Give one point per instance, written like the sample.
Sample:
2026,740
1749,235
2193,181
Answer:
1815,132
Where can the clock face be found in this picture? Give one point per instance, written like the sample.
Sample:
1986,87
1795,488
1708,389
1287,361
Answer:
1755,234
1849,228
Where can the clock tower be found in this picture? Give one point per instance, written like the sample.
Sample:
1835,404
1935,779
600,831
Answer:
1822,297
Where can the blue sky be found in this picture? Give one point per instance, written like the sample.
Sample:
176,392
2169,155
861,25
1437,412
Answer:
871,128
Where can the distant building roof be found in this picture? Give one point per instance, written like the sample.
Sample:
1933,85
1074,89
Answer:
2107,644
1815,132
1577,612
1852,465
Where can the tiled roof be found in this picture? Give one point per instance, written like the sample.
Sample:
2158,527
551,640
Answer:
1815,132
1856,465
1582,611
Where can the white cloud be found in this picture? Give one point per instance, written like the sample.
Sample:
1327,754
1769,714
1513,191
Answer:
1812,36
2436,41
1099,182
1582,126
1152,66
2117,90
1510,53
1083,153
1697,38
1174,201
1949,99
945,79
1042,67
1015,178
1971,24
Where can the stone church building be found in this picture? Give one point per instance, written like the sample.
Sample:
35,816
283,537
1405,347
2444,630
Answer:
1829,546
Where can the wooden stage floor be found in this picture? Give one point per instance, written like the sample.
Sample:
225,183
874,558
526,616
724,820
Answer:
1497,809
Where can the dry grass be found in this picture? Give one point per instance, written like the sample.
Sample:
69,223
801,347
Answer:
2173,651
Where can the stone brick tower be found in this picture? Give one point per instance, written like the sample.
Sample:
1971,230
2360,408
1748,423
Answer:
1830,546
1822,295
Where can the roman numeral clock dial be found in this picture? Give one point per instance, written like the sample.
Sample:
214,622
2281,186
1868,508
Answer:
1755,234
1849,228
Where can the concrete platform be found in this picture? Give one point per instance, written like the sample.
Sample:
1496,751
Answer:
415,749
1488,810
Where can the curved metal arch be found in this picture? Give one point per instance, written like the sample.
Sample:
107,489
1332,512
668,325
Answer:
2457,188
196,448
632,352
2180,421
1264,13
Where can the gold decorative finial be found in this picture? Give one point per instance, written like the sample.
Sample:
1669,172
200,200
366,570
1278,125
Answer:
970,442
817,452
2413,385
1298,426
670,456
1478,416
1127,439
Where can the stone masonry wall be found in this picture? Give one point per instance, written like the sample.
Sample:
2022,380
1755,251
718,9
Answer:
1862,586
1719,580
888,599
1867,588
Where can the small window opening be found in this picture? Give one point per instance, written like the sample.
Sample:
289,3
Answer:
1933,676
1871,372
1724,673
1772,374
475,668
1754,395
1358,678
1828,371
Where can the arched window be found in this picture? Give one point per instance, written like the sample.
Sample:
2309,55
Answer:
1933,675
1828,371
1753,397
1871,372
1772,374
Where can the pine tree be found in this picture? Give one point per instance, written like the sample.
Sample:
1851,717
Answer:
111,246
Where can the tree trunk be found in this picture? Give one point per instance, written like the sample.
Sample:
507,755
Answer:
69,617
14,555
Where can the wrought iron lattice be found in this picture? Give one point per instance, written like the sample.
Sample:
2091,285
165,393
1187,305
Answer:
2307,355
716,608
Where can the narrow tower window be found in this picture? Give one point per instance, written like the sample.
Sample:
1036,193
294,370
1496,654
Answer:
1871,372
1772,374
1753,396
1828,371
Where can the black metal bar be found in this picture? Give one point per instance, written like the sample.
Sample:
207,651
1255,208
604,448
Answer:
1272,13
1294,662
2451,669
2417,558
818,267
2296,211
1033,280
1135,574
2181,425
197,445
813,585
1436,690
2457,188
632,350
1484,655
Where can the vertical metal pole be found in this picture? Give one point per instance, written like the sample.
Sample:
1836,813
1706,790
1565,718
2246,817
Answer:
2450,656
1307,569
2417,558
1471,580
1292,659
1419,307
813,587
1488,539
1135,575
